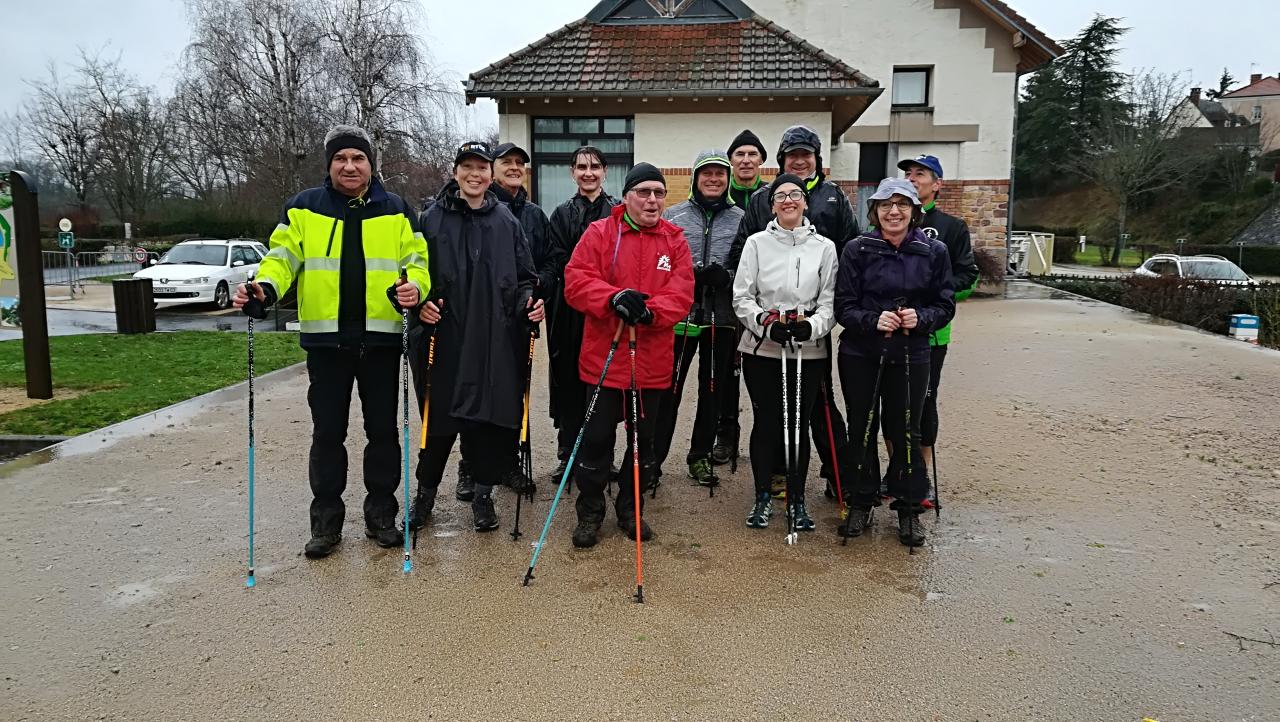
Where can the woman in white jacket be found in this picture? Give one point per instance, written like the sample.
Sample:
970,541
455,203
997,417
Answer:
786,267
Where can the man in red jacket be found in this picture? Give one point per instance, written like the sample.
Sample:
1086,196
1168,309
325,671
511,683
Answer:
633,267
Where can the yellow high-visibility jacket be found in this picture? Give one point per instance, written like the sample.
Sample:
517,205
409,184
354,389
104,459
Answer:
307,246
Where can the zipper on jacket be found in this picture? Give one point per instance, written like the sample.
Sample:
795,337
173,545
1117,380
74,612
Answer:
329,249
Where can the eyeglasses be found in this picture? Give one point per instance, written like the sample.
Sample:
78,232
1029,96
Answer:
903,206
790,196
659,193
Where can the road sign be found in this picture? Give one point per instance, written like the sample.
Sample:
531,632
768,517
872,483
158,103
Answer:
64,225
66,239
140,255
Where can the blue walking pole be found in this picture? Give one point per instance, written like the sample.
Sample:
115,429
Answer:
254,306
568,467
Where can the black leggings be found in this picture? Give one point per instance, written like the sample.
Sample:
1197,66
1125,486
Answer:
713,414
857,377
929,420
764,386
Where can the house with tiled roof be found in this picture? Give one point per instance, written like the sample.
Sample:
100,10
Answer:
660,80
1259,102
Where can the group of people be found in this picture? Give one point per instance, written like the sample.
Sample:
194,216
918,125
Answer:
751,277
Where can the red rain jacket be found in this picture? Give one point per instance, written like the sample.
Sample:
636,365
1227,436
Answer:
611,257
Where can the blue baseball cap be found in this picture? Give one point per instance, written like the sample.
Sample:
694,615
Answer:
928,161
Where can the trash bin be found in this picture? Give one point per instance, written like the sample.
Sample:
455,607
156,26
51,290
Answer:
135,306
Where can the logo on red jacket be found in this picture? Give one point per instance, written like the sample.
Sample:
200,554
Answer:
664,262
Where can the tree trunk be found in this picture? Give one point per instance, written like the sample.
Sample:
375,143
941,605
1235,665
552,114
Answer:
1119,247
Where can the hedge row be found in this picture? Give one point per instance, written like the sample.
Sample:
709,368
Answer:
1196,303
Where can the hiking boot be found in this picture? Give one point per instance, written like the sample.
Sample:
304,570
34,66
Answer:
420,512
726,447
858,521
758,518
700,472
321,545
910,530
778,486
482,512
386,536
466,490
558,473
799,516
515,480
586,534
628,526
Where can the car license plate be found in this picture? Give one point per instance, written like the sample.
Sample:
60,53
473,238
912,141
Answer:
165,289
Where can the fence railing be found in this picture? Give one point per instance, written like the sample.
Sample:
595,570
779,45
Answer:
72,269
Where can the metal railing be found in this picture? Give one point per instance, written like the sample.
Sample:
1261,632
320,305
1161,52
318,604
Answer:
71,269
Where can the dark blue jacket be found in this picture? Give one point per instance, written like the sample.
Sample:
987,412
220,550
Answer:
874,276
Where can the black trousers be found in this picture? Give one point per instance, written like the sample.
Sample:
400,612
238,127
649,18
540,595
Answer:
717,413
571,403
818,426
929,421
375,371
764,386
486,449
595,457
857,378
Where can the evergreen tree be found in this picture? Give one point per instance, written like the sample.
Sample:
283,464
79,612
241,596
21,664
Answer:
1224,85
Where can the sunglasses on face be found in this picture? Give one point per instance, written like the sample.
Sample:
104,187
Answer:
659,193
796,195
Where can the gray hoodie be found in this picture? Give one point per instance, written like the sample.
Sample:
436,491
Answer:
785,270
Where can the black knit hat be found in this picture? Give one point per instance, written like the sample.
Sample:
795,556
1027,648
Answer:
640,173
341,137
746,137
786,178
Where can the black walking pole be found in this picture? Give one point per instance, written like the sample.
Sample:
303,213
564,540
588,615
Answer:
526,451
866,439
714,481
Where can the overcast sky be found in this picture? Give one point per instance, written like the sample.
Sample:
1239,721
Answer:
1169,35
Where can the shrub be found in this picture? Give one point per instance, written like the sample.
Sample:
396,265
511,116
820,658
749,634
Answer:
990,265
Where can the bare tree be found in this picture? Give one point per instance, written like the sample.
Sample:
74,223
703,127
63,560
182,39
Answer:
65,131
203,154
1135,151
133,128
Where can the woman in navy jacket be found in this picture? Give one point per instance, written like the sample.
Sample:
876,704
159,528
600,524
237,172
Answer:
893,288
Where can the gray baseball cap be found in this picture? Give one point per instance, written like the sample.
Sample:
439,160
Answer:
896,187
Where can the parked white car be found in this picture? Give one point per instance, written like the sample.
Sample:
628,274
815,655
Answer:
1202,268
203,271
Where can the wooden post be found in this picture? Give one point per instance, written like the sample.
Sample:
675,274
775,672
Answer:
35,326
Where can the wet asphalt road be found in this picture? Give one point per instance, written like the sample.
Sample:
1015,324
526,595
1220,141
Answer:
1111,489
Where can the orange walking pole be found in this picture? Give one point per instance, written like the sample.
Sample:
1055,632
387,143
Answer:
635,464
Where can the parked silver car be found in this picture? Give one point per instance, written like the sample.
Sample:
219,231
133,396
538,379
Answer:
1216,269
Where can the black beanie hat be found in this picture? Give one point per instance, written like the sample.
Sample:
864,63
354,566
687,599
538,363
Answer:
786,178
640,173
341,137
746,137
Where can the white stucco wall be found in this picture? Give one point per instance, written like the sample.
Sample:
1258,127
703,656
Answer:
673,140
1186,115
1269,134
514,128
874,36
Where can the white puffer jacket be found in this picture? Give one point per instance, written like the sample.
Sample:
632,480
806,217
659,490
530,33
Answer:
786,270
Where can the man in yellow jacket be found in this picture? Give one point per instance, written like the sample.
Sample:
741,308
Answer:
343,244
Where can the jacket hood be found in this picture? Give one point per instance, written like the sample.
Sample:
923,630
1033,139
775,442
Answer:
799,235
451,201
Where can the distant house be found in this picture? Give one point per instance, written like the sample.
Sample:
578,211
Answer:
659,80
1259,102
1210,123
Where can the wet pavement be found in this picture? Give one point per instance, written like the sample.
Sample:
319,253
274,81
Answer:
71,322
1107,552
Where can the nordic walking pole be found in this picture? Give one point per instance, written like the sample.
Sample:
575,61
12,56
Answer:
555,501
426,406
635,463
404,418
866,431
789,450
526,452
795,446
906,332
251,581
714,481
835,457
937,497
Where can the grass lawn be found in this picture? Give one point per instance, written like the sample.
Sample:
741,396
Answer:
120,377
1129,257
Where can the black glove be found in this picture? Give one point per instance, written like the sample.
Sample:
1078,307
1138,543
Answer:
253,308
801,330
629,305
715,276
779,332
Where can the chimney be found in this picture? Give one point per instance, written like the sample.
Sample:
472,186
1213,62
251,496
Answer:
1256,77
1195,97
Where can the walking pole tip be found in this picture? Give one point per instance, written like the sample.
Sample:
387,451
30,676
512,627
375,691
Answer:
252,581
528,577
